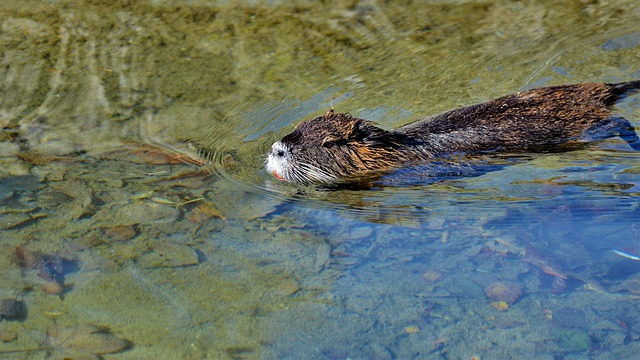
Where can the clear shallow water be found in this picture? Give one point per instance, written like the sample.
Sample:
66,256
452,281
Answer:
230,263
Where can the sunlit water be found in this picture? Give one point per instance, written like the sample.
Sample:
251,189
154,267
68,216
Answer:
528,257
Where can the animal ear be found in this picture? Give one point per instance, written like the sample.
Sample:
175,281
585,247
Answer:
333,140
356,131
363,130
352,132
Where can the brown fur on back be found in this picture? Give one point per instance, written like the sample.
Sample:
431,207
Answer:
538,117
572,106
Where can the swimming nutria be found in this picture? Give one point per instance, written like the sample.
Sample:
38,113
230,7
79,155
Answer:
338,146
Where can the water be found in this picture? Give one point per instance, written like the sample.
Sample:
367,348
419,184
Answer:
227,262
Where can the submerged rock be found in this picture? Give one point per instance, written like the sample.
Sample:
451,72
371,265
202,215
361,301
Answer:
285,287
631,284
432,275
570,318
503,291
169,255
361,232
84,200
8,335
12,309
204,212
464,287
500,305
10,167
12,220
323,257
83,342
119,233
50,267
52,288
138,213
573,341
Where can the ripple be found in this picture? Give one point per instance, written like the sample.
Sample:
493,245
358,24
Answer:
236,148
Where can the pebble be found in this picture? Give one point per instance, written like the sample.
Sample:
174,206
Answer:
504,291
13,167
573,341
570,318
11,220
84,341
51,172
286,287
361,232
9,148
169,255
411,329
500,305
154,213
432,275
464,287
52,288
8,335
60,146
119,233
12,309
323,256
139,213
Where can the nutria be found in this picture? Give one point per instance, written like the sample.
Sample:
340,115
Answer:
337,146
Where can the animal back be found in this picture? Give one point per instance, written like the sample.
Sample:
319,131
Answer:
543,116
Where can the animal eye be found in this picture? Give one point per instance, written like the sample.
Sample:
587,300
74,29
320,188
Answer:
280,153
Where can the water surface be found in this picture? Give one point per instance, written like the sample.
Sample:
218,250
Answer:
223,261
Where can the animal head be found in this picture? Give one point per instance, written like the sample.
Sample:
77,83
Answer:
331,147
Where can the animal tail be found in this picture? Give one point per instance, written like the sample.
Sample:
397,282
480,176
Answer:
625,88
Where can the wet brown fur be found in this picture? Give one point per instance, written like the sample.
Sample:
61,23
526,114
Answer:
534,120
538,117
345,144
